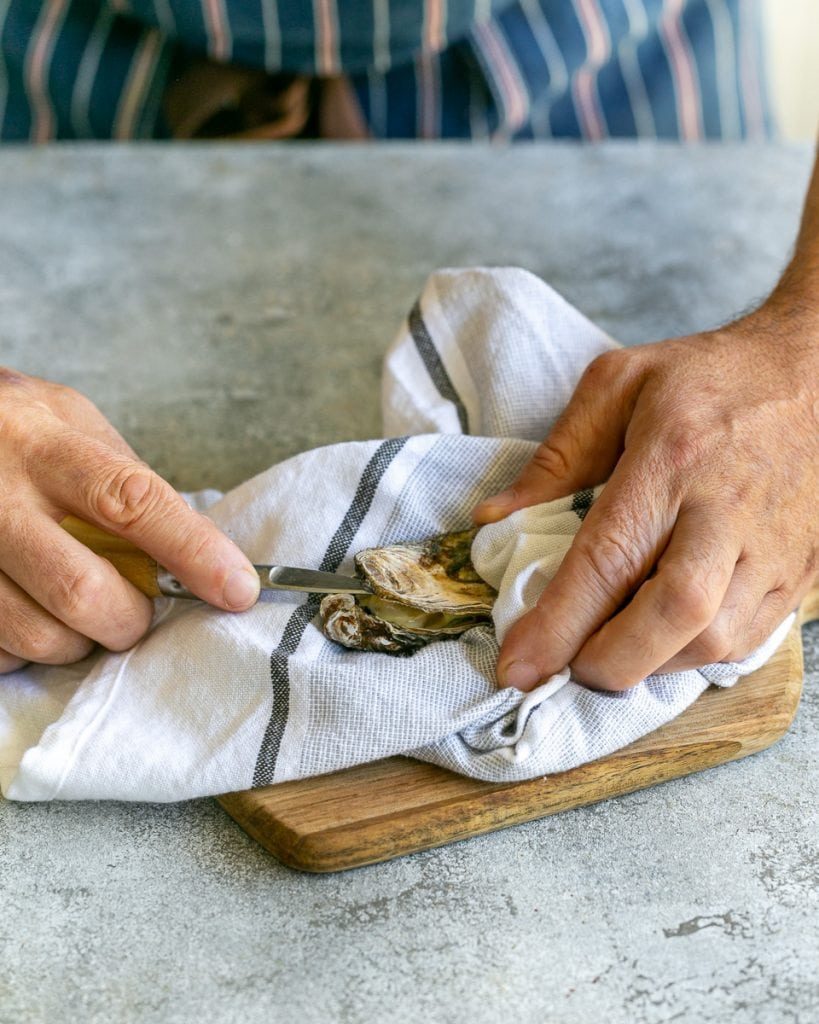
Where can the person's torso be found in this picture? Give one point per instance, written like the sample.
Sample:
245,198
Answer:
439,68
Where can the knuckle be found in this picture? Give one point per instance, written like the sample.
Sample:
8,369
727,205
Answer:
20,427
715,644
741,650
758,631
28,439
551,630
686,605
612,558
34,638
682,446
40,644
198,542
777,604
550,458
17,628
604,368
80,593
67,400
50,643
12,378
127,495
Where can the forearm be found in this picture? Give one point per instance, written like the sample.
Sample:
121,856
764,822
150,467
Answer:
796,298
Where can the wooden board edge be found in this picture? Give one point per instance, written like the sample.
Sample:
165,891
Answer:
268,831
340,848
431,825
488,809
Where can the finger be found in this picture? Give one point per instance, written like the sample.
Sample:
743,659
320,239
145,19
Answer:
582,447
750,613
29,633
79,413
668,611
79,588
730,628
776,606
615,549
9,663
128,499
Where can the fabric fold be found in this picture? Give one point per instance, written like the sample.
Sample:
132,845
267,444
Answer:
210,702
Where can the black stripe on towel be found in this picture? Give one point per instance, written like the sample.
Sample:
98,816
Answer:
297,623
582,502
435,367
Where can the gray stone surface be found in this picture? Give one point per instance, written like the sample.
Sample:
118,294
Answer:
228,307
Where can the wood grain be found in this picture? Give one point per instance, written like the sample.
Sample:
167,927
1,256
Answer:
397,806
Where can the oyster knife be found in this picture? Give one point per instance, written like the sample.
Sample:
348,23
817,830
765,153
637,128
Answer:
154,581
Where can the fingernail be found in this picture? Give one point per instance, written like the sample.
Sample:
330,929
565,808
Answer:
521,674
241,589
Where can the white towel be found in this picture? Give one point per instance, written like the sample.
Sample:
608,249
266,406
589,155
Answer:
210,702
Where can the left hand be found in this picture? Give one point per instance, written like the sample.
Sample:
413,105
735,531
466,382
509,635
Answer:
707,533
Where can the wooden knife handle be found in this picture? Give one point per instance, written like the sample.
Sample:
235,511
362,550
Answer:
126,558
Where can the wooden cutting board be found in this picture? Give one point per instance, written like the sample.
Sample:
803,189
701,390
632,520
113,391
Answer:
396,806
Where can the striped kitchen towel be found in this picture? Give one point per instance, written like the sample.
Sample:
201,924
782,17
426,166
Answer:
210,702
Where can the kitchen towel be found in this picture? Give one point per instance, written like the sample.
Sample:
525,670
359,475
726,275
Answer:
210,702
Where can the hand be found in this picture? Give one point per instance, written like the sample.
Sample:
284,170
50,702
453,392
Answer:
707,533
59,455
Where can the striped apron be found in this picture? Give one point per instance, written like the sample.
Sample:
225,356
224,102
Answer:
530,69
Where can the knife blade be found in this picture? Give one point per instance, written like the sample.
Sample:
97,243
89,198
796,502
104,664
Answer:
155,581
279,577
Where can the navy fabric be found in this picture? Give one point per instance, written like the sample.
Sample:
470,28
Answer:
583,69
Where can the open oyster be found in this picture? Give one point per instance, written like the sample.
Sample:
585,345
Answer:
421,592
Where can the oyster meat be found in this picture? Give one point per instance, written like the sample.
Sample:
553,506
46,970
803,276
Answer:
421,592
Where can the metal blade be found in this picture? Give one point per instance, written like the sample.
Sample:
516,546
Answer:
285,577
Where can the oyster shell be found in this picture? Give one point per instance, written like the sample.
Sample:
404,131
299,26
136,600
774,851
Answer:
421,592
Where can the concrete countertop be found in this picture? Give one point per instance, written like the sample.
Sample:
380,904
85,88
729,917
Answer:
229,306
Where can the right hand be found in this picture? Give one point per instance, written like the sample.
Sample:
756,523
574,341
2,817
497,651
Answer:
60,456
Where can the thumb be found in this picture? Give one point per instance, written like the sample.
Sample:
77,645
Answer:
584,445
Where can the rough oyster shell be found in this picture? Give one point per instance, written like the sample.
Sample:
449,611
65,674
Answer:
421,592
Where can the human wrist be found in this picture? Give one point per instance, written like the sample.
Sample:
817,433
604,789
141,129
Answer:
792,308
777,345
788,323
795,299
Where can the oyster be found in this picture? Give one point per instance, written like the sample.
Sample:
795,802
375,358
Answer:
421,592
